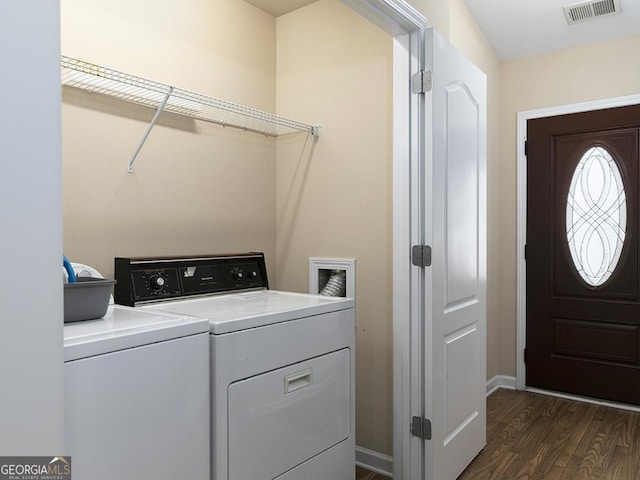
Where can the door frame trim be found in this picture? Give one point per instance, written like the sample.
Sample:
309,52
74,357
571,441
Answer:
521,219
407,27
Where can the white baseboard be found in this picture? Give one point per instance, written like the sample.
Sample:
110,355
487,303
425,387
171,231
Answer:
500,381
374,461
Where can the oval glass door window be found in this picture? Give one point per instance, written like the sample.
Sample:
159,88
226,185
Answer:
596,216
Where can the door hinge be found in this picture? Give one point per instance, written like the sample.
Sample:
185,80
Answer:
526,148
421,82
525,355
421,428
525,252
421,255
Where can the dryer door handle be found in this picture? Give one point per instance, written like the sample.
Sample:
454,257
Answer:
298,380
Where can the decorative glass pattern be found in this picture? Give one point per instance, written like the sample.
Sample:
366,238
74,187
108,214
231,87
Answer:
596,216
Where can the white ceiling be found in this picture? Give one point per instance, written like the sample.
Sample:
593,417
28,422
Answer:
279,7
517,28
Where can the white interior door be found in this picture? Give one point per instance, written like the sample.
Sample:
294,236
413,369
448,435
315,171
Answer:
454,222
439,311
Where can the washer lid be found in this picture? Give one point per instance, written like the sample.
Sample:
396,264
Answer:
124,327
241,311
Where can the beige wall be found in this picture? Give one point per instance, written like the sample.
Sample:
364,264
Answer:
437,13
334,195
224,48
197,187
604,70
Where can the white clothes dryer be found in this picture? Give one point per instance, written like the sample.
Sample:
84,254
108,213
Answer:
282,364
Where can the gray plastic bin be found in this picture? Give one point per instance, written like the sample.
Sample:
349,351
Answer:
87,299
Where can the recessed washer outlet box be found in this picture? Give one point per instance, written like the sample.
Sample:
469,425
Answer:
590,10
335,277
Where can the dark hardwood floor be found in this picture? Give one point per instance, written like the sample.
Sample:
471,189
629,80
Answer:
538,437
362,474
532,436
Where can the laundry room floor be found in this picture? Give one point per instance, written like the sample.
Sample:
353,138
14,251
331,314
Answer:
533,436
362,474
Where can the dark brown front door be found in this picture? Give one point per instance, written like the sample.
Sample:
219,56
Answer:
583,288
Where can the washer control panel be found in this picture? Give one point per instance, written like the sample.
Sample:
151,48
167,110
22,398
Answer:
142,280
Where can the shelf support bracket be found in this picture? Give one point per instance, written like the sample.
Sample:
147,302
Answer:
146,134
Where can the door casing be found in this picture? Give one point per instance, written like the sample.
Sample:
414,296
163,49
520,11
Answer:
407,26
521,274
412,150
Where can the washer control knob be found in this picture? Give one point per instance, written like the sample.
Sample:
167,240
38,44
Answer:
252,274
156,282
238,275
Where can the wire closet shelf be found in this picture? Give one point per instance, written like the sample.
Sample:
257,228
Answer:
98,79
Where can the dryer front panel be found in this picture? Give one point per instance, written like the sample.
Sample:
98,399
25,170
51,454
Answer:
282,418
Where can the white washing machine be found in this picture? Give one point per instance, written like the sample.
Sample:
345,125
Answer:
282,364
137,401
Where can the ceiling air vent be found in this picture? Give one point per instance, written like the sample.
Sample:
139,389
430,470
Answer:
583,11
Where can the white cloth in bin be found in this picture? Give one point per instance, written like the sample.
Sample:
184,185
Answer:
82,270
